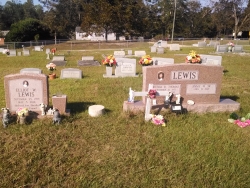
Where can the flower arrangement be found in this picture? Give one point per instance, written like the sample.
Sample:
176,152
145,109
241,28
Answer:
152,93
158,120
6,51
240,121
193,58
51,67
230,44
22,111
53,51
109,61
146,60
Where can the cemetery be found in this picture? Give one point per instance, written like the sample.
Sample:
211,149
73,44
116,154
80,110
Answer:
126,112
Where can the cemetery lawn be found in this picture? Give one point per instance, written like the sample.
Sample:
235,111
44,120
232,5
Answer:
120,149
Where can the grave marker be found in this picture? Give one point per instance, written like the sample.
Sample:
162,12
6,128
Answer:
140,53
126,67
174,47
160,50
38,48
210,59
238,48
153,49
59,60
71,73
31,71
221,48
119,53
26,91
88,61
162,61
26,52
12,53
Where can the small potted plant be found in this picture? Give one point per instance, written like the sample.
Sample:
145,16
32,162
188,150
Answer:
51,67
22,114
109,61
158,120
230,46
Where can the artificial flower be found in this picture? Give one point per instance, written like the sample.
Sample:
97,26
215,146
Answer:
146,60
152,93
193,58
158,120
109,61
51,67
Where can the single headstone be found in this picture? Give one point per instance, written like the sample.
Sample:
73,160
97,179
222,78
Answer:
210,59
88,61
119,53
193,82
140,53
238,48
213,44
12,53
164,44
221,48
130,52
38,48
59,102
59,60
47,51
162,61
125,67
174,47
202,44
153,49
71,73
26,91
96,110
160,50
1,50
19,53
31,71
26,52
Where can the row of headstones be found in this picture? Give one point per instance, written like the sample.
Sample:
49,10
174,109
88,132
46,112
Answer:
65,73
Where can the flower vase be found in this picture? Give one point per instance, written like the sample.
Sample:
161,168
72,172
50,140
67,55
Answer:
52,76
109,71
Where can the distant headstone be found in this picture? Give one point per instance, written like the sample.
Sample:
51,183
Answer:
221,48
12,53
59,60
210,59
88,61
160,50
38,48
26,91
164,44
213,43
71,73
130,52
47,51
31,71
1,50
125,67
140,53
153,49
162,61
238,48
202,44
174,47
19,53
119,53
26,52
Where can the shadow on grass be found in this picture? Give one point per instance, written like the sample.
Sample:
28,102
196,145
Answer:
77,107
234,97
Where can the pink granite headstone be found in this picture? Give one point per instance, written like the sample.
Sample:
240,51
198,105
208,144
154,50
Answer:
26,91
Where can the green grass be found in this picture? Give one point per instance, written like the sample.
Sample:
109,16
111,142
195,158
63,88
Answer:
120,149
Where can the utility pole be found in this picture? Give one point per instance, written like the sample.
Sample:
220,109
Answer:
172,38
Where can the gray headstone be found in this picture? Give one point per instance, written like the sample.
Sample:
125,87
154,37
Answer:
26,91
162,61
164,44
174,47
140,53
160,50
210,59
119,53
87,57
221,48
59,60
38,48
126,67
238,48
202,44
1,50
26,52
47,50
71,73
88,63
12,53
31,71
130,52
153,49
19,53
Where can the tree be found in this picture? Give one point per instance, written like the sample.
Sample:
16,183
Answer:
26,30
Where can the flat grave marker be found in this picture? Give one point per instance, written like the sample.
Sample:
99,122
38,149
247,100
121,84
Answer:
88,61
162,61
71,73
30,71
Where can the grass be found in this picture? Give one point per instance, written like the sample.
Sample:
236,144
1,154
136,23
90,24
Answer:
120,149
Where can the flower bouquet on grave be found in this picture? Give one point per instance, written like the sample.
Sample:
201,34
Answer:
230,46
51,67
53,51
193,58
158,120
146,60
109,61
240,121
6,51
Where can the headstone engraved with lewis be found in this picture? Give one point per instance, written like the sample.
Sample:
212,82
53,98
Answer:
198,83
26,91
